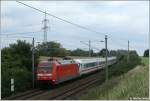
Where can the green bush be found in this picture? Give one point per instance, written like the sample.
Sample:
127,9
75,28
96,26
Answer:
123,65
5,83
17,64
22,80
146,53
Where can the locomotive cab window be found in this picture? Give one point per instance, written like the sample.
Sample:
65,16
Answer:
45,68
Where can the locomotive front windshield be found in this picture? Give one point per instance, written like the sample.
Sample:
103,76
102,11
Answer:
45,66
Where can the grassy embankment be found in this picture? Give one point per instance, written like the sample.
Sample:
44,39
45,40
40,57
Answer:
132,84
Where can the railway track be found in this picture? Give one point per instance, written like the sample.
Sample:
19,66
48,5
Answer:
72,91
77,88
25,95
69,89
63,91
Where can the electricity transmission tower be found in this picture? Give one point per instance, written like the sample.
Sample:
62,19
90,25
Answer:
45,27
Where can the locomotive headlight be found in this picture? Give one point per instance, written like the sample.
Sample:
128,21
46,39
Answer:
44,74
40,75
48,75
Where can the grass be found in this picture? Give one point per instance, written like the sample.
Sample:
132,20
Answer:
145,61
132,84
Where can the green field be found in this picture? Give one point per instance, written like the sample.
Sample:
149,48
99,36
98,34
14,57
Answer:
133,84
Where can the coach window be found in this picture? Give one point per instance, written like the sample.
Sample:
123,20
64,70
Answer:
84,65
94,64
87,65
90,64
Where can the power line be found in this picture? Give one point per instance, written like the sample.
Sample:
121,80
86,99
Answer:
112,37
16,37
77,25
90,45
28,25
23,33
118,43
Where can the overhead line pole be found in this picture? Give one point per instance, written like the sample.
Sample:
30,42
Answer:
89,45
106,65
128,52
89,48
33,76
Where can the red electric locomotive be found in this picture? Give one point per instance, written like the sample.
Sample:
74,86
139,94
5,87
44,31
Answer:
56,71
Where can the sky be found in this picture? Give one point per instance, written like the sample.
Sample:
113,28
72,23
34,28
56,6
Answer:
120,20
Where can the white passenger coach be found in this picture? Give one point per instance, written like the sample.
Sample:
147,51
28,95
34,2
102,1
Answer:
93,64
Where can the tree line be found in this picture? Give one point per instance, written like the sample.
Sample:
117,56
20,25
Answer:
54,49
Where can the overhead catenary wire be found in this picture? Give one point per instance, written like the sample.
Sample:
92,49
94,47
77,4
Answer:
77,25
15,38
28,25
91,46
22,33
118,43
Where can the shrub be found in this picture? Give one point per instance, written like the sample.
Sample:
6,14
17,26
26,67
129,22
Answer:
123,65
22,80
17,64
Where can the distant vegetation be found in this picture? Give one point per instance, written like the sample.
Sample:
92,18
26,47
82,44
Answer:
124,65
133,84
17,63
54,49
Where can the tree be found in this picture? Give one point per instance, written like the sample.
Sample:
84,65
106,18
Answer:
17,64
18,55
123,52
146,53
79,52
113,53
52,49
103,53
62,52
